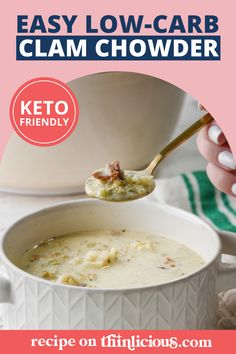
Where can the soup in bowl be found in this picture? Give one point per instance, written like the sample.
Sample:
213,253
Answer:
118,244
110,259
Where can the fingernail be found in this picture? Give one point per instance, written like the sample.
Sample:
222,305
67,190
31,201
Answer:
200,107
214,133
227,160
233,188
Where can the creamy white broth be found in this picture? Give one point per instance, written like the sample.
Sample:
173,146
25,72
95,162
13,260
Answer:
135,184
113,184
110,259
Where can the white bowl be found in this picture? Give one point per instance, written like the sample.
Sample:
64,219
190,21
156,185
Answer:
123,116
185,303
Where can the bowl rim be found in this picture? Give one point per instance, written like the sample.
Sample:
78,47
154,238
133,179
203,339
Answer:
177,211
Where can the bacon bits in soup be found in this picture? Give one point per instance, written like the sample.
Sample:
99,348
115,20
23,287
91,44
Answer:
114,184
110,259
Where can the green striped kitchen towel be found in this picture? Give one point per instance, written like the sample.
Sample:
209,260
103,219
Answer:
195,193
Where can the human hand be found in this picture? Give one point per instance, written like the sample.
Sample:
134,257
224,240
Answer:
221,167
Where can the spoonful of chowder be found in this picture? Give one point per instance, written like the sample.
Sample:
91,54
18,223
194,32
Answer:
113,184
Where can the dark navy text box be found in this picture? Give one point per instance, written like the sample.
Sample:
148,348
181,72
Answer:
91,53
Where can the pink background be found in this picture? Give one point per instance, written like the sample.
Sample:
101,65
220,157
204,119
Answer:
211,83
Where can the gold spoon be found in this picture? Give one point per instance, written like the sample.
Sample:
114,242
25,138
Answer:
138,184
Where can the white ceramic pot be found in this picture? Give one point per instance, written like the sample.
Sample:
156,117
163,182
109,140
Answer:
186,303
123,116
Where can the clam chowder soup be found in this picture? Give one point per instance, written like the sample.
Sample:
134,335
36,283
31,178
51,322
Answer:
110,259
113,184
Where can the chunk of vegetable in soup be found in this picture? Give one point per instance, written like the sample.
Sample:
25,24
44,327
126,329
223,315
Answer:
110,259
114,184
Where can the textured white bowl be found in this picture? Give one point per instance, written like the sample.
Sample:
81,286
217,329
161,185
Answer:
186,303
